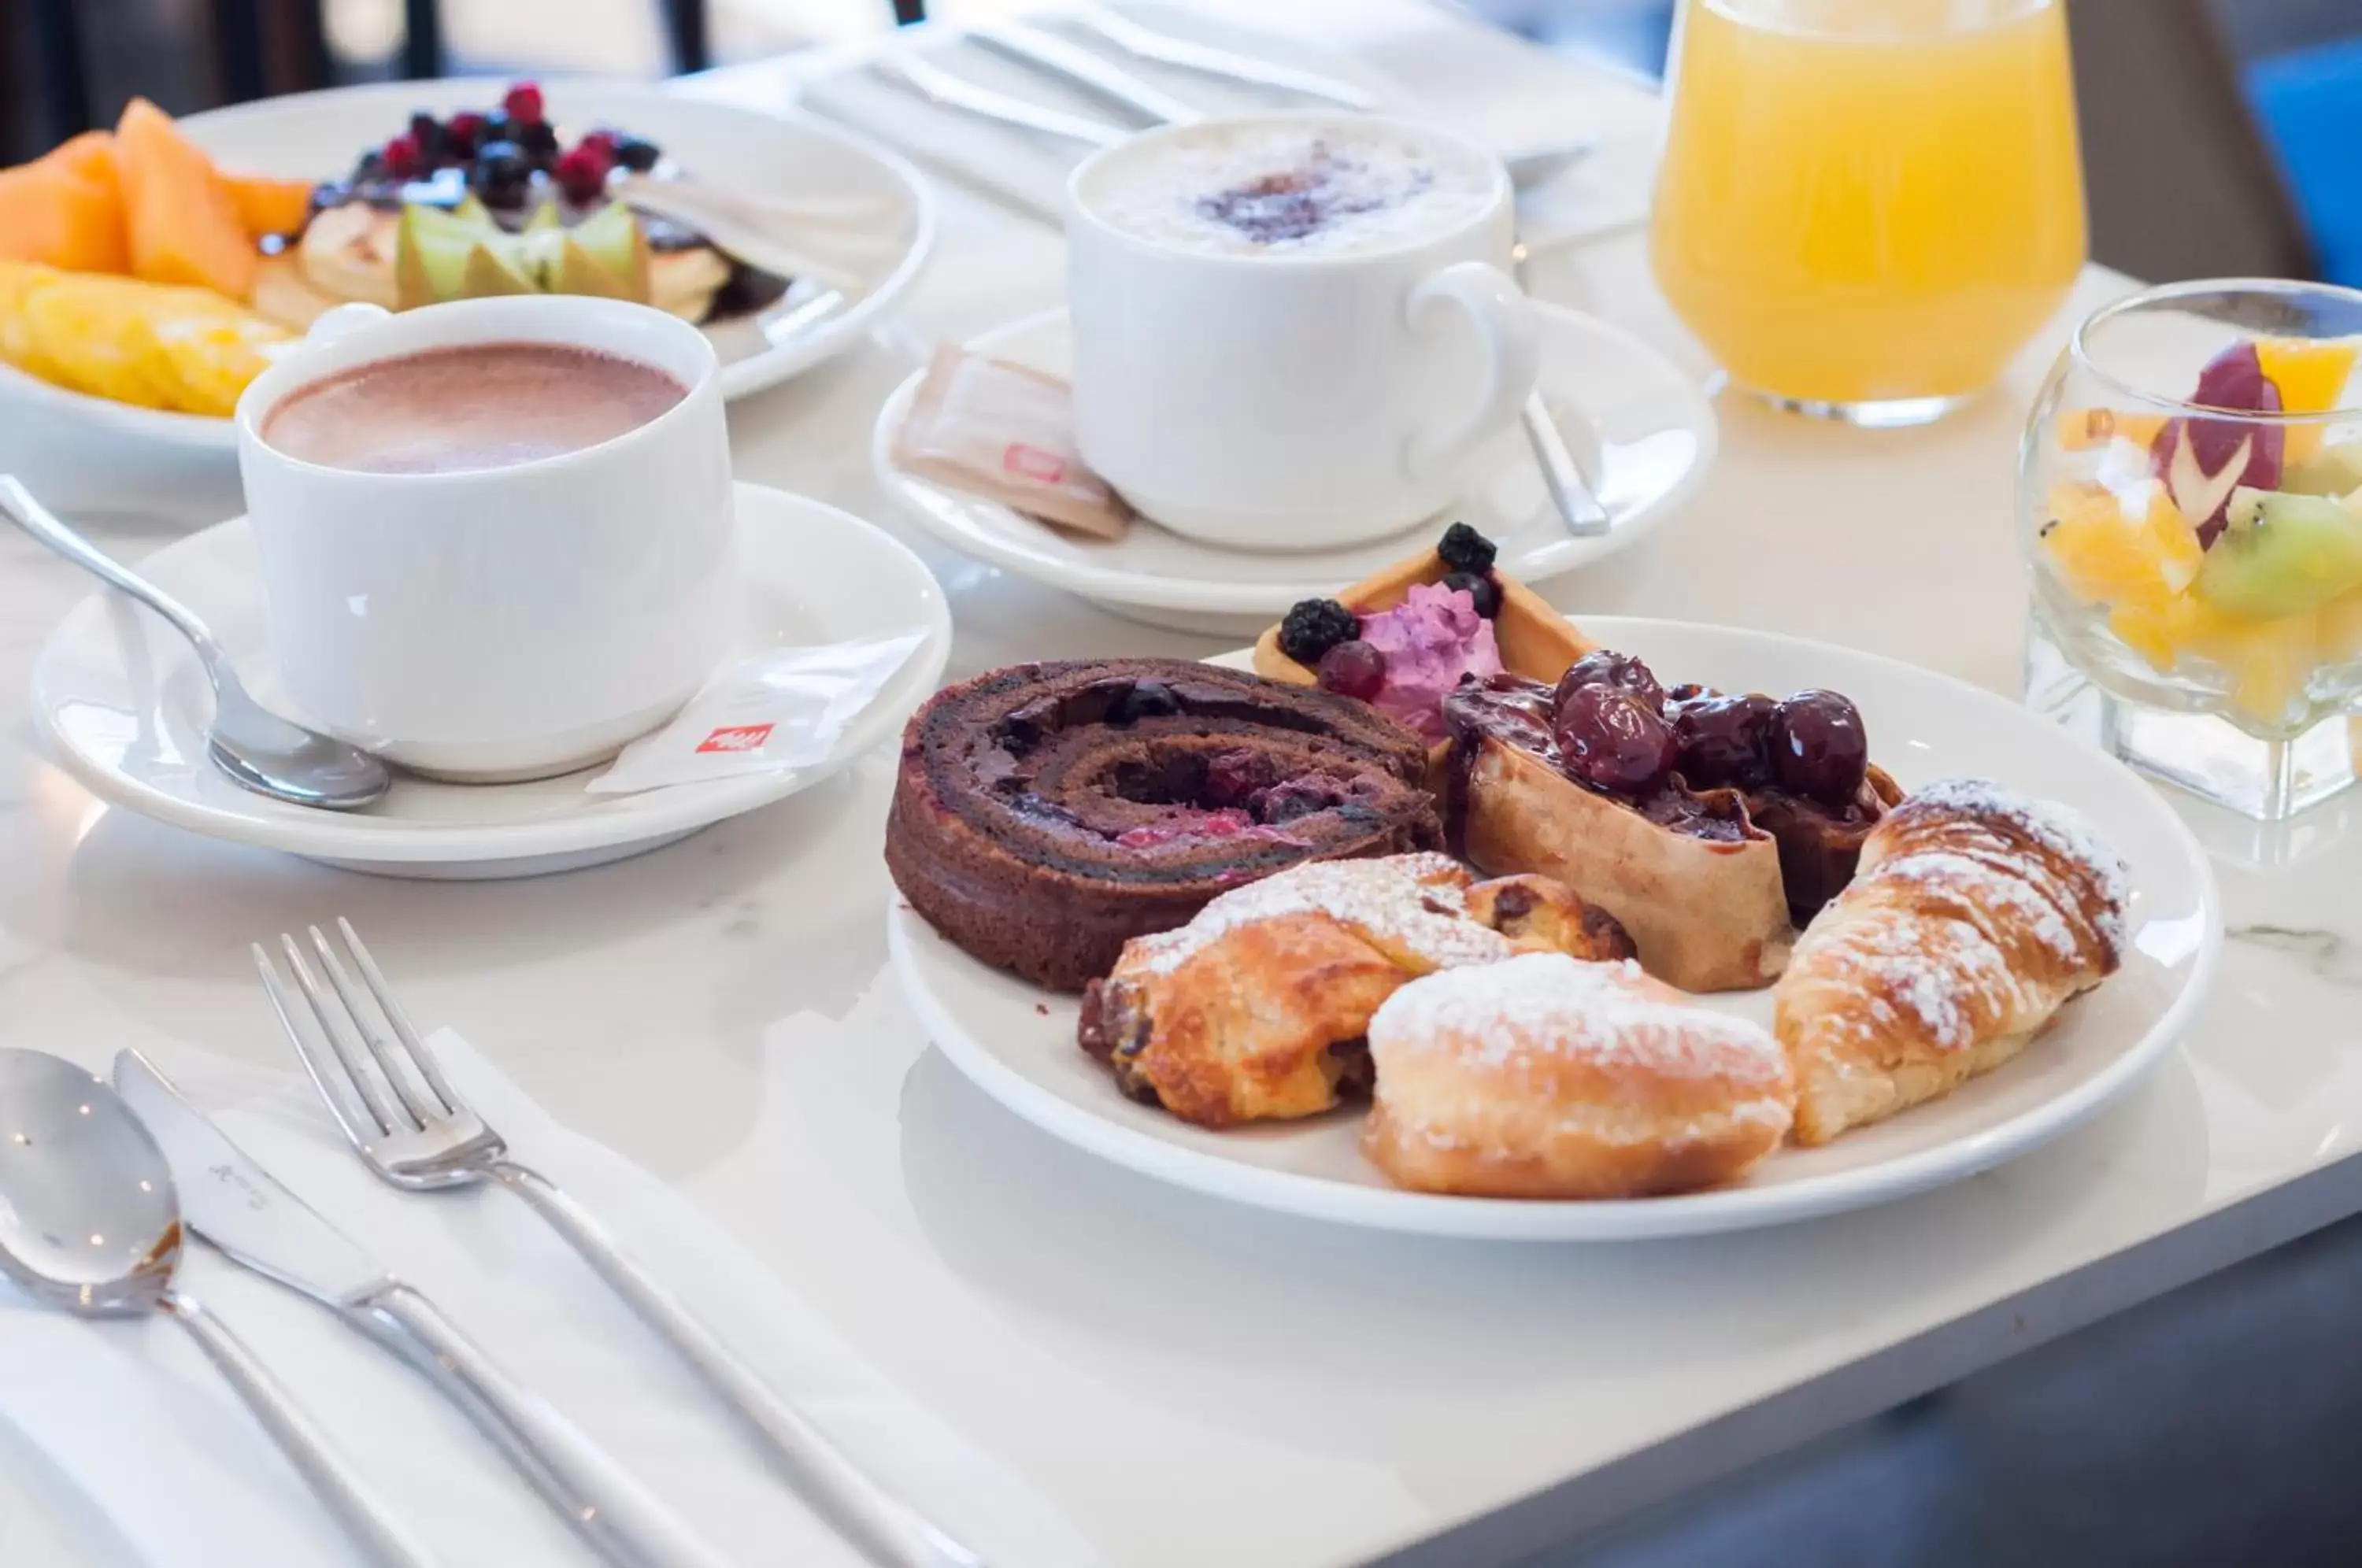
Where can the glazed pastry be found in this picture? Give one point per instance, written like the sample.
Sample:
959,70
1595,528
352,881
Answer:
1402,639
1255,1009
1709,825
1047,813
1545,1077
1977,915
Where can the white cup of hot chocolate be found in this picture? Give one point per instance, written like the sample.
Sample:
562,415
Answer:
496,537
1291,331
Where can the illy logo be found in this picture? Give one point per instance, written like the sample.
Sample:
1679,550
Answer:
738,737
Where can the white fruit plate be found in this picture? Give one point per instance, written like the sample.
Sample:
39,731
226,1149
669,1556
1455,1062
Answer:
317,136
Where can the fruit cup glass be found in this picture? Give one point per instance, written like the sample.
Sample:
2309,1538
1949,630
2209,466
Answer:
2190,509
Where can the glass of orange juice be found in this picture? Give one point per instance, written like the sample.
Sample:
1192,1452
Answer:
1866,206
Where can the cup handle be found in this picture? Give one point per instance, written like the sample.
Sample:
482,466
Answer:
1503,320
331,325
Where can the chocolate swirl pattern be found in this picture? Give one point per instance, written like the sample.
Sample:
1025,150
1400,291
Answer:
1047,813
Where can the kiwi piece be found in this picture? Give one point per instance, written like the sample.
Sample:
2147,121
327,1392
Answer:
2296,553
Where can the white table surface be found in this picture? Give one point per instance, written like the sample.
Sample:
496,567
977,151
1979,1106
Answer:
1197,1384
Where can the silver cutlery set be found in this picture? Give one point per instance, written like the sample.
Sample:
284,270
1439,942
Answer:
1060,57
97,1185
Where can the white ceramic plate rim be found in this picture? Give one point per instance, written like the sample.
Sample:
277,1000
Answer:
1158,591
651,816
1742,1208
824,340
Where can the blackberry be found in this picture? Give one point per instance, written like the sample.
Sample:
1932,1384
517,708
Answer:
1314,626
1480,588
636,155
538,138
1464,549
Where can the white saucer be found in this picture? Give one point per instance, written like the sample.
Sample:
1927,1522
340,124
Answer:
1636,424
317,136
1018,1041
125,707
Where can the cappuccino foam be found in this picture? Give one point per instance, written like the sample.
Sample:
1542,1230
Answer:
1290,189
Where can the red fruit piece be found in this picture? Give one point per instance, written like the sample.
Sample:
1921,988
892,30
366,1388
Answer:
2203,461
581,174
603,142
402,155
523,104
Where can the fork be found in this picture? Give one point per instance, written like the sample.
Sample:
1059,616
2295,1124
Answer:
385,1089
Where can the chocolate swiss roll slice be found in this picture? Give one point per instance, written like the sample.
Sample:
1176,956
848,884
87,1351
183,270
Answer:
1047,813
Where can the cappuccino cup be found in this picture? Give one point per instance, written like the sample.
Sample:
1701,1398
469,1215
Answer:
497,537
1291,330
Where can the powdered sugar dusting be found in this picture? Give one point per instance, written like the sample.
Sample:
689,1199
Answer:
2058,827
1549,1002
2001,890
1413,903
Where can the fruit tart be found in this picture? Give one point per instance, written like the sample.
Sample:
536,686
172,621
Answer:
1402,639
1711,826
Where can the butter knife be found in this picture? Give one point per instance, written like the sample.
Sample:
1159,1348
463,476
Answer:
1147,43
1078,67
245,1211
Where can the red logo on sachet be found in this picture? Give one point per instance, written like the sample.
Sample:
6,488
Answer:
1033,463
741,737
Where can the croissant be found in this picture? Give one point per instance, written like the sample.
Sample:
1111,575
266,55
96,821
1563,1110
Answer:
1257,1009
1976,915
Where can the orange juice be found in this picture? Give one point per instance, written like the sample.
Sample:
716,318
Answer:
1869,205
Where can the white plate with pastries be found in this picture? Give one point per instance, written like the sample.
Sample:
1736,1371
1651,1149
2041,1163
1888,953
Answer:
1018,1041
317,136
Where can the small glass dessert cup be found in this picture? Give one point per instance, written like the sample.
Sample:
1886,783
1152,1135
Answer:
2190,508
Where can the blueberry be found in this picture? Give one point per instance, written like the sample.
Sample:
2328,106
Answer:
1482,589
636,155
1464,549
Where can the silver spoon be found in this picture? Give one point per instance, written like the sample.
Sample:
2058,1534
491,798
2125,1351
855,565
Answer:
90,1221
258,749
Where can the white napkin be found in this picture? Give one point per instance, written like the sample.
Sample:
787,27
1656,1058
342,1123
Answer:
132,1413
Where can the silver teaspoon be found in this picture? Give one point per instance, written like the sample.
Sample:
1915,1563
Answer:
258,749
90,1221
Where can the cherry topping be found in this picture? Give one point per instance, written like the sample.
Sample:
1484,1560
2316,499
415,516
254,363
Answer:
1620,672
1818,746
523,102
1611,740
1352,669
581,174
1725,740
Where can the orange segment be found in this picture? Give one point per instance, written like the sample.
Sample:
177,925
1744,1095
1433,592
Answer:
2107,556
2311,377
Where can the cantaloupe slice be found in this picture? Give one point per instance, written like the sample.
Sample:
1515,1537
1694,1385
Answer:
51,214
267,204
183,222
89,156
